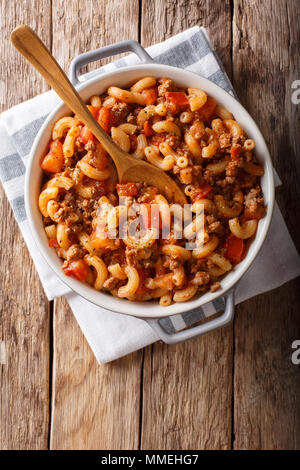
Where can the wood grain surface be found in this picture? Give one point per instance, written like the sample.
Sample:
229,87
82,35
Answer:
24,317
266,383
232,389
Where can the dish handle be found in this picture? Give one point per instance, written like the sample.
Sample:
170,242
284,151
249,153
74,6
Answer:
107,51
174,338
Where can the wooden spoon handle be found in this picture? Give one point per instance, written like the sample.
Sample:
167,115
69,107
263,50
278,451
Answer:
34,50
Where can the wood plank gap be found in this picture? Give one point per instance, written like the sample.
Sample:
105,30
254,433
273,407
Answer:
232,6
232,390
51,303
140,12
288,22
51,27
266,415
51,348
231,24
24,308
141,401
140,21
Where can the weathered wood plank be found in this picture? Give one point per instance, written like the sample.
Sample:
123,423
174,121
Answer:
94,407
266,383
171,18
187,389
187,394
24,317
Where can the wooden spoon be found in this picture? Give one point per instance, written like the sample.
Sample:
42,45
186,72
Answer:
128,168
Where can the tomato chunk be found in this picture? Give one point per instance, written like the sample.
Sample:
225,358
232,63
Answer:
235,152
86,135
148,129
201,192
53,162
105,118
178,98
234,248
94,111
128,189
53,243
208,109
78,269
150,95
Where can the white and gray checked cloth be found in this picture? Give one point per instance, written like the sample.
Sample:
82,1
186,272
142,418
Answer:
112,335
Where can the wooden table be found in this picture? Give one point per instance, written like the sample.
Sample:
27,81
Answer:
233,389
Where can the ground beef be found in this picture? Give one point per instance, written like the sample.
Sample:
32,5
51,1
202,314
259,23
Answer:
71,219
197,170
224,140
86,206
114,257
246,180
215,286
60,215
200,265
170,263
232,170
85,209
254,204
69,199
89,146
173,140
120,111
75,252
215,227
208,177
131,256
230,179
254,197
165,84
197,130
66,208
201,278
111,283
131,118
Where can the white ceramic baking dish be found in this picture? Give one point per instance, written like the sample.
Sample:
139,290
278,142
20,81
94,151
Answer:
149,311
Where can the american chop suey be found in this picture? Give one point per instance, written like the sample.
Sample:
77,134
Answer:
124,238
